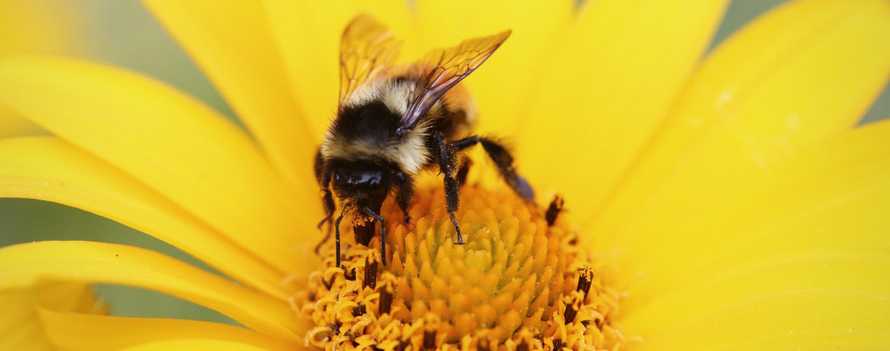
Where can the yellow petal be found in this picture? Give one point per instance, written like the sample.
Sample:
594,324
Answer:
67,316
308,34
817,224
49,26
857,323
91,332
20,325
195,344
45,168
232,43
800,75
90,262
503,86
832,196
82,331
814,300
613,78
13,125
168,141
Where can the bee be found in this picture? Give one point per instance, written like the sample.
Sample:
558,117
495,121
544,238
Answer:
394,121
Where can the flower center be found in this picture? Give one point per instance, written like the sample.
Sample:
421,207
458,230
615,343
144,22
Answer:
517,282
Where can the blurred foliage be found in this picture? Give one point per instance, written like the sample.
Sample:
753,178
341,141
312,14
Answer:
122,33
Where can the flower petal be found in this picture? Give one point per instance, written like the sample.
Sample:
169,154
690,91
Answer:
232,43
45,168
814,300
799,75
611,83
119,264
195,344
168,141
308,34
46,26
818,222
81,331
833,188
20,324
52,316
502,87
12,125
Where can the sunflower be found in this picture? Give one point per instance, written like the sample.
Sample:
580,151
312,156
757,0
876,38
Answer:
724,202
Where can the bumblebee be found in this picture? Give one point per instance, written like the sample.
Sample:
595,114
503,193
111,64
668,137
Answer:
395,121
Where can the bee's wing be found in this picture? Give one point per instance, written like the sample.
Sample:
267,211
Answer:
443,69
366,47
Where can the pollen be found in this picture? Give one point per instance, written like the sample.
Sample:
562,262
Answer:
518,283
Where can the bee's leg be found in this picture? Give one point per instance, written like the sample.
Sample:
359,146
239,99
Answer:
445,157
503,160
404,194
329,208
464,170
377,217
337,238
327,199
323,177
319,167
465,143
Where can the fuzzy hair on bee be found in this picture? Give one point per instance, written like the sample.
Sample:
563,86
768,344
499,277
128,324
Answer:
366,124
394,122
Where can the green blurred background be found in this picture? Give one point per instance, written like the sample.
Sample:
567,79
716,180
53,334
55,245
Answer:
122,33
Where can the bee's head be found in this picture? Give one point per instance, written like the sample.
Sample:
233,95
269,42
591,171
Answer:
360,183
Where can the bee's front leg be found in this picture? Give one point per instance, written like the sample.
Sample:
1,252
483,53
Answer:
327,199
446,159
337,237
464,170
377,217
404,194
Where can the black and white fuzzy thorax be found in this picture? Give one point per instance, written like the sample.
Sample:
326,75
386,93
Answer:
366,124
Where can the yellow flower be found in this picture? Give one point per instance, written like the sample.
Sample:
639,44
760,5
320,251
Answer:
46,26
725,202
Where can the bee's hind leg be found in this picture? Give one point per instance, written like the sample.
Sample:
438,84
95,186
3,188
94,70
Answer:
503,160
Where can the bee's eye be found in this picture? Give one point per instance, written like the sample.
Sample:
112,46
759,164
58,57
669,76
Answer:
370,178
359,177
367,178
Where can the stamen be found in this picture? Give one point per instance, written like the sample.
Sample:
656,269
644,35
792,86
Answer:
520,282
554,209
585,278
370,280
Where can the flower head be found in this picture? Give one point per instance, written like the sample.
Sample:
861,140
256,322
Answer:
723,202
517,281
